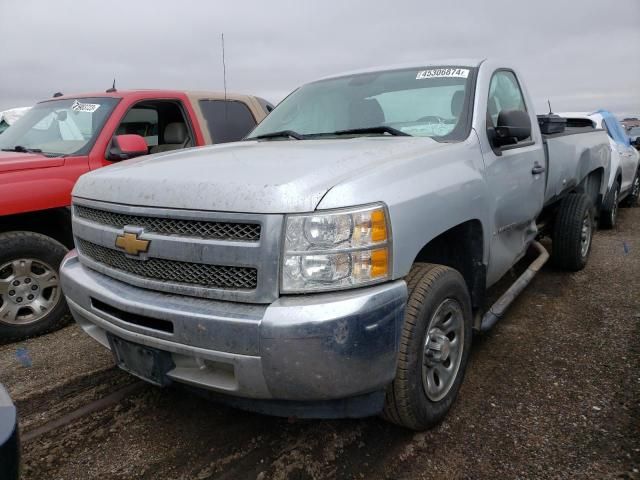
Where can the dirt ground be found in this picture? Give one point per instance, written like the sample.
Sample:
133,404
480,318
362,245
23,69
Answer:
552,392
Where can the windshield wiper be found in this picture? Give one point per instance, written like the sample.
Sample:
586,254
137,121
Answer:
21,149
278,134
380,129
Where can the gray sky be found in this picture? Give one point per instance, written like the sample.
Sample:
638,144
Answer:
581,54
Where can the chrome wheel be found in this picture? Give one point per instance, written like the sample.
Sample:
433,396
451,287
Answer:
443,347
585,238
29,290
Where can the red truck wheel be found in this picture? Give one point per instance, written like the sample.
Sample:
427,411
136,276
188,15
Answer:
31,299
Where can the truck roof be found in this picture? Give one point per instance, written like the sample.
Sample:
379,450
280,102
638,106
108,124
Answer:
471,62
155,93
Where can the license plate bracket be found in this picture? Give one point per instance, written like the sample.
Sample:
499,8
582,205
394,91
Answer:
147,363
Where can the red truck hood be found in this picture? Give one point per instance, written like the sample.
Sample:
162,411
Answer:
12,161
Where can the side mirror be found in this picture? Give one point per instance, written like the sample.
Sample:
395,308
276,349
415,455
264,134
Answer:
124,147
513,126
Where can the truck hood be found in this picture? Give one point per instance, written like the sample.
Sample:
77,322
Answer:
255,176
13,161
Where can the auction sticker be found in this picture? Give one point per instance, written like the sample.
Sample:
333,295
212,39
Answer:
443,73
76,106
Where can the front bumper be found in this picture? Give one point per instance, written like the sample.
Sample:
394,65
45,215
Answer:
300,348
9,442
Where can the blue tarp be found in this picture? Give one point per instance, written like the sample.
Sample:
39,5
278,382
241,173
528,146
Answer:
615,129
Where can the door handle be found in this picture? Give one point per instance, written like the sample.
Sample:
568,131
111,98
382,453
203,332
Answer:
537,169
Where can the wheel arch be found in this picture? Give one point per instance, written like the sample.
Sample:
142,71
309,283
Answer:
54,223
462,248
594,185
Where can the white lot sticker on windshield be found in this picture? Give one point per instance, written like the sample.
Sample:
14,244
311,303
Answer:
76,106
443,72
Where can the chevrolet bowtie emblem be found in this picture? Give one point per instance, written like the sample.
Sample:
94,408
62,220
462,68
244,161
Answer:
131,244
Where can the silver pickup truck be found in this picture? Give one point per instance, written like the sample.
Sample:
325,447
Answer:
335,263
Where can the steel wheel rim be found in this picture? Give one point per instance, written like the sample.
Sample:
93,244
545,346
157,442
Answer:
29,290
443,349
585,235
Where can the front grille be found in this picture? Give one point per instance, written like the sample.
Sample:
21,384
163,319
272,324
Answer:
168,226
209,276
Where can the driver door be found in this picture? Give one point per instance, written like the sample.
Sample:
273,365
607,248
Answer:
515,175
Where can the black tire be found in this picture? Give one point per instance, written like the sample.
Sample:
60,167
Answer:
609,211
40,248
407,403
631,200
567,252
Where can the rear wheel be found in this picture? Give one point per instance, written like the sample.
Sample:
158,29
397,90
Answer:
609,211
31,300
434,348
632,198
573,232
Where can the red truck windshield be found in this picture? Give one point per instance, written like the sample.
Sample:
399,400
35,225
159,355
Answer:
59,127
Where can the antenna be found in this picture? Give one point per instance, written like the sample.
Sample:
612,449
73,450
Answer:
113,87
549,102
224,77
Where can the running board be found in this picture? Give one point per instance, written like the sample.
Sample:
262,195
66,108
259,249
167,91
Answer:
498,309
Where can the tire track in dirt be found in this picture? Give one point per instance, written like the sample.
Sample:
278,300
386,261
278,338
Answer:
57,358
50,404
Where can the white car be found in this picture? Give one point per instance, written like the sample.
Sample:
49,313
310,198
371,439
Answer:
624,178
8,117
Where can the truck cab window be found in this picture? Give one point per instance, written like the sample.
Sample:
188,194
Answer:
504,94
161,123
141,121
227,121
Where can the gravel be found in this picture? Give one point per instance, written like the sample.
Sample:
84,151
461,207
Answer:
552,392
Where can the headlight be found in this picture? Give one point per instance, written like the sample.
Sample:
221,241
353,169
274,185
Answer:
336,249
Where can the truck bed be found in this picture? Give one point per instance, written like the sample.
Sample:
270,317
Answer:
571,156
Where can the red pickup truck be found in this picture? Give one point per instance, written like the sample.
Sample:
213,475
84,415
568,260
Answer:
43,154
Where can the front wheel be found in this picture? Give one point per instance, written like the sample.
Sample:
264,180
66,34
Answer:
31,300
434,348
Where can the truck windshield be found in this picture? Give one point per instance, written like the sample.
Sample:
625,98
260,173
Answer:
59,127
423,102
